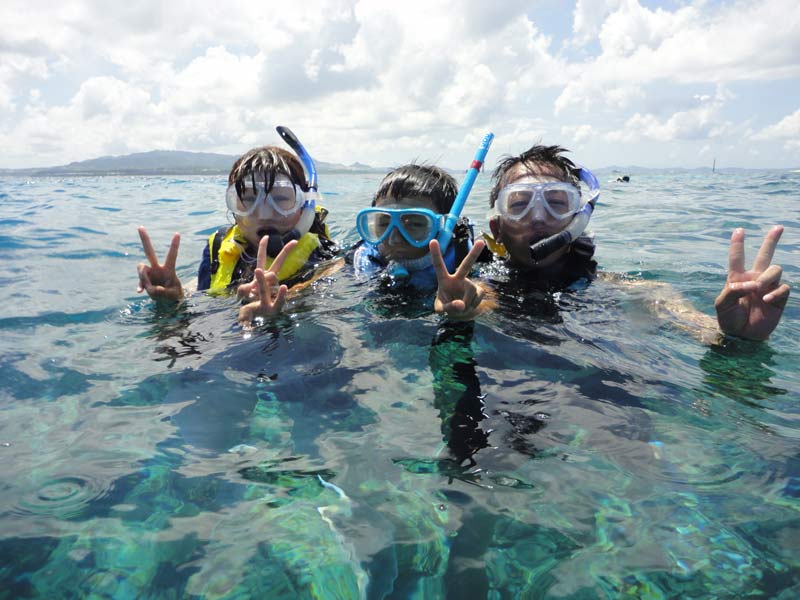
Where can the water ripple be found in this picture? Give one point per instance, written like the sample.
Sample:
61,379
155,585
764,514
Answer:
65,497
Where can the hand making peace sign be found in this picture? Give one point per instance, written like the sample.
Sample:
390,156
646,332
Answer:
267,302
751,303
159,281
457,296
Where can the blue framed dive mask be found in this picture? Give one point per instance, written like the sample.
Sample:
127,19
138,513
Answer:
418,226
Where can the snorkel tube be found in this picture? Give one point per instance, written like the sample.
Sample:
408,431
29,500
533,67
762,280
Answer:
290,138
577,225
446,234
309,208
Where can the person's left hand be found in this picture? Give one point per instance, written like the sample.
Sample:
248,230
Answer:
267,300
751,303
457,296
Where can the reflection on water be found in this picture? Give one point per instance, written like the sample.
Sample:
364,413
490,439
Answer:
567,446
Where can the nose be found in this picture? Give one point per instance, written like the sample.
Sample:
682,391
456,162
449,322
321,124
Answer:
264,210
538,212
395,237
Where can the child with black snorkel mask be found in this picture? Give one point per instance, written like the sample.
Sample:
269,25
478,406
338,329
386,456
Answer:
279,235
537,225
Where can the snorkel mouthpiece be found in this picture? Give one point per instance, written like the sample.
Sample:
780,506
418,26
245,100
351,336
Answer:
463,192
544,248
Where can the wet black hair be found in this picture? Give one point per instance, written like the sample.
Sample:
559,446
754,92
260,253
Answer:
266,162
535,156
415,181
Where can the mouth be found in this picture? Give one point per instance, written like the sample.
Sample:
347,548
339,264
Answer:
267,231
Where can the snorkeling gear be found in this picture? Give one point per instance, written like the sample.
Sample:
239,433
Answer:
519,200
284,198
577,225
418,226
559,207
463,192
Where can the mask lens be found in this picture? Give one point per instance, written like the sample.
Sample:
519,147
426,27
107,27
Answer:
517,202
418,227
284,199
241,205
559,201
372,225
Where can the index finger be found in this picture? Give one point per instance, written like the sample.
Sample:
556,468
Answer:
469,260
437,260
261,257
147,245
736,252
276,265
767,250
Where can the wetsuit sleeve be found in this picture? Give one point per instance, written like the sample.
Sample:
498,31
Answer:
204,272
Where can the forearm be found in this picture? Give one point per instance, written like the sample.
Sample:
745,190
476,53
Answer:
667,304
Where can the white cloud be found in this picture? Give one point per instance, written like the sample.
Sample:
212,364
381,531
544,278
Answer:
739,42
699,123
577,133
379,81
786,130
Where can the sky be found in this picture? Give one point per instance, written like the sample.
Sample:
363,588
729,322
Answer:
618,82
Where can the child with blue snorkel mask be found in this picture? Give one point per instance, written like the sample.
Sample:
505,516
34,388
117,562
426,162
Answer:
279,234
409,212
537,225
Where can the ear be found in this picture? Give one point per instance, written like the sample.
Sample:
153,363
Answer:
494,227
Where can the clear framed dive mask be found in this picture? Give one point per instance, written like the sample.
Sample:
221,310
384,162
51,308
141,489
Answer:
518,201
285,198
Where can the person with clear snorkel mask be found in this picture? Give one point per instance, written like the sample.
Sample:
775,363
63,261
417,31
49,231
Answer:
537,229
279,235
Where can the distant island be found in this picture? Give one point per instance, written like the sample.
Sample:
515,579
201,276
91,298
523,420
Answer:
166,162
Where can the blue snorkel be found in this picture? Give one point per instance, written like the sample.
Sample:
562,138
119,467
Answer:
290,138
577,225
463,192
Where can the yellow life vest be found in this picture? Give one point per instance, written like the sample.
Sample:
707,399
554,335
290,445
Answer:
232,246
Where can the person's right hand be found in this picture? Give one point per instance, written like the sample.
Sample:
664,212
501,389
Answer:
457,296
268,297
159,281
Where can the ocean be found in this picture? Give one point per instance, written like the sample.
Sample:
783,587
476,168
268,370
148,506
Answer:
569,445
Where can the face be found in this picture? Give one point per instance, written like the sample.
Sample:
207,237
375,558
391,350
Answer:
395,247
265,220
518,235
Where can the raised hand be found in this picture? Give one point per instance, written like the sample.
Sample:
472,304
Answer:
457,296
751,303
159,281
267,300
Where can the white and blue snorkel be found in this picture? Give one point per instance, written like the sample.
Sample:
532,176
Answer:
312,195
290,138
577,225
446,234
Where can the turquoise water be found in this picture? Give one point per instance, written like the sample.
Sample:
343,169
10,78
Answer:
566,446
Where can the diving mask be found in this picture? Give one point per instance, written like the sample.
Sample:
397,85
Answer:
418,226
285,198
519,200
